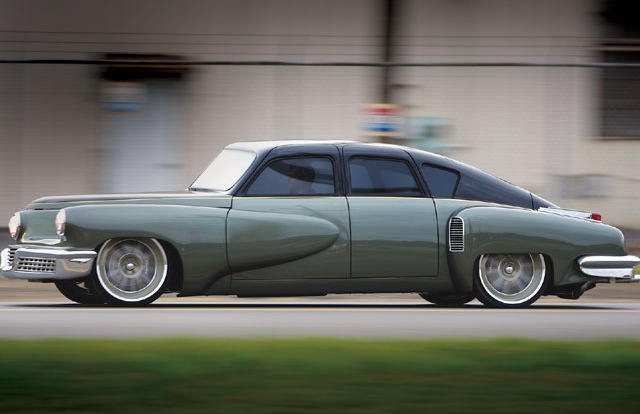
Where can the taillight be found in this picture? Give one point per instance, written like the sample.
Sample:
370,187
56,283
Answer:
584,215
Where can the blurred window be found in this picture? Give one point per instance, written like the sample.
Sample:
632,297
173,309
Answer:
295,177
382,177
442,182
620,113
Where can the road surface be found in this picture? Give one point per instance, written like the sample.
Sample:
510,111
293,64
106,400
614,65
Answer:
264,319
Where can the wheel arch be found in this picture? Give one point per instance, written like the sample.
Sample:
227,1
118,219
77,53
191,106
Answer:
175,270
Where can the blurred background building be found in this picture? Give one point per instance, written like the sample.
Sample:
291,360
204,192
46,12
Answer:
516,88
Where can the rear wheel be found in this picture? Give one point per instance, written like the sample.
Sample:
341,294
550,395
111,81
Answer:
442,299
131,271
80,291
510,280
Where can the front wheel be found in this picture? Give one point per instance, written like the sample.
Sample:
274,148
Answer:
131,271
510,280
80,291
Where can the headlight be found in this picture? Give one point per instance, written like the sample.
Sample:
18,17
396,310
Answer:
14,226
61,222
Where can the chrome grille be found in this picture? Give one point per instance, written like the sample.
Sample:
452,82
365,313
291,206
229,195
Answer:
35,265
456,235
12,255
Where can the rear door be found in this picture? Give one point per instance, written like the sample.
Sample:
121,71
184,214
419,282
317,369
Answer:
393,220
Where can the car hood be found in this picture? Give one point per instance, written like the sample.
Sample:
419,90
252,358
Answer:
203,199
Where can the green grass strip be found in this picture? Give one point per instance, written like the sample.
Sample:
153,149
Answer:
318,375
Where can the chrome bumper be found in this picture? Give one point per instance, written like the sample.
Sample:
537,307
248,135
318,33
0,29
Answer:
614,268
38,263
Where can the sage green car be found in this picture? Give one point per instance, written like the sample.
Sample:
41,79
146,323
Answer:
296,218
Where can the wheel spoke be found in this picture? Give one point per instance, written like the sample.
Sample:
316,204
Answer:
511,279
132,270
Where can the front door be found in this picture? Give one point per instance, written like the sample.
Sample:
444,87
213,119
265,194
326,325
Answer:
291,222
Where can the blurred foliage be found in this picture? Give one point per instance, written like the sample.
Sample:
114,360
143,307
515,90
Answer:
318,375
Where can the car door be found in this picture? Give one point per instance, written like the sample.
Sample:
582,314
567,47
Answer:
291,219
394,229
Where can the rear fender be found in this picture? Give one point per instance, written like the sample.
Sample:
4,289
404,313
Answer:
501,229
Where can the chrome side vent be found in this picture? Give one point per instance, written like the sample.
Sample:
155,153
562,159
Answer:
456,234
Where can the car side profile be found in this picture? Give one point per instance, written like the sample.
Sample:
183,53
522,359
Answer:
297,218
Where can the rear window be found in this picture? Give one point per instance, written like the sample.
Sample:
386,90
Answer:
493,190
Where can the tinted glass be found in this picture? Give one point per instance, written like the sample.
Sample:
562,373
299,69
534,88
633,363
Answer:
441,182
382,177
295,176
494,190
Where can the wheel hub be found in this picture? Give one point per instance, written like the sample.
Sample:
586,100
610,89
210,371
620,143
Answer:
509,269
131,266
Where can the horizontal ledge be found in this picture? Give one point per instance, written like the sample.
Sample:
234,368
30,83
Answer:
112,63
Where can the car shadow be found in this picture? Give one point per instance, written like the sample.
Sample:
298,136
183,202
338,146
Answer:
300,305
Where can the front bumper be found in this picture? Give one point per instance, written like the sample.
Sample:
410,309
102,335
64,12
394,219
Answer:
39,263
613,268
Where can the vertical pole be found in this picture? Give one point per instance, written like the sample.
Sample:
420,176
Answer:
388,30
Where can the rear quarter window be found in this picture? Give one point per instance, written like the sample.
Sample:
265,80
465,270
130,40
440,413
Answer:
442,182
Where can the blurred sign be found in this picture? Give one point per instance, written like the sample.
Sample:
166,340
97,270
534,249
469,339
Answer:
428,133
382,120
124,96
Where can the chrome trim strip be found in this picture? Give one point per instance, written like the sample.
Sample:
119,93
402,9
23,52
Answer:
57,264
48,242
584,215
616,267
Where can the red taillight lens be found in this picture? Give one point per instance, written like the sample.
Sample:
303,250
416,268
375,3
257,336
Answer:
596,216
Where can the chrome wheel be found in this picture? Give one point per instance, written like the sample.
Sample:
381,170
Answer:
510,280
131,271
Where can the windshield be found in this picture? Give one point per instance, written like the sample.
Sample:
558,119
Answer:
225,170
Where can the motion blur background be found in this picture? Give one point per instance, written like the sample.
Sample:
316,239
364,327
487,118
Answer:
562,125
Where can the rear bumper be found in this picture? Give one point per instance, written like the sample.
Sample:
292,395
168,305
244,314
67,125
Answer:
613,268
38,263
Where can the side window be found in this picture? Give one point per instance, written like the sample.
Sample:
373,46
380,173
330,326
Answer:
295,176
382,177
442,182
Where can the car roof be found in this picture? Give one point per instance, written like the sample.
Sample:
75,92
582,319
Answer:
468,173
261,147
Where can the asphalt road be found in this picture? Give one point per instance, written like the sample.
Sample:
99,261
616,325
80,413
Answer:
407,319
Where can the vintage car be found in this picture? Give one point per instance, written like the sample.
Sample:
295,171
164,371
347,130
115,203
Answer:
302,218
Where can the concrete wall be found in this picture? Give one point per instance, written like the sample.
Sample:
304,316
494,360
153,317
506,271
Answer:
536,127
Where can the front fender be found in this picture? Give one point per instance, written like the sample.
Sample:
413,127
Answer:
197,234
502,229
